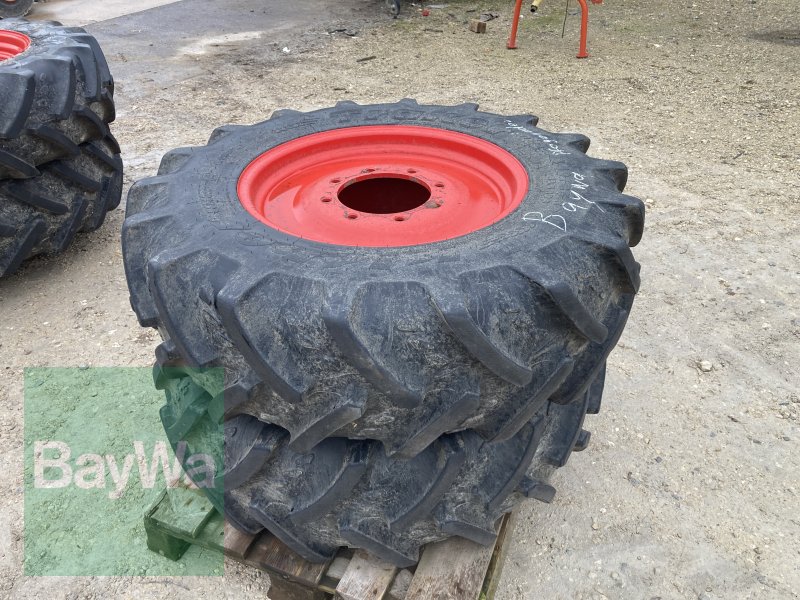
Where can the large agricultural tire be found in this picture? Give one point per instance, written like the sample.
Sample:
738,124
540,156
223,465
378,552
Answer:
14,8
349,493
56,93
475,316
43,214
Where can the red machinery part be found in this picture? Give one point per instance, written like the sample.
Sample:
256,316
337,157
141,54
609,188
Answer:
512,37
383,185
582,52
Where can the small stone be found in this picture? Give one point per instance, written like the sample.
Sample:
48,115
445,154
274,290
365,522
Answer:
705,366
477,26
595,525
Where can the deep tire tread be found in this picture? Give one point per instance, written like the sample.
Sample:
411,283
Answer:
568,303
315,519
69,196
453,311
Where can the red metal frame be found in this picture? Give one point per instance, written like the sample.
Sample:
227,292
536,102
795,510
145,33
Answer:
512,38
582,53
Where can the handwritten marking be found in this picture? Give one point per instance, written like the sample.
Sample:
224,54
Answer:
578,197
576,202
552,145
556,221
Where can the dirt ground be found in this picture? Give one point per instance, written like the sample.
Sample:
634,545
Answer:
690,486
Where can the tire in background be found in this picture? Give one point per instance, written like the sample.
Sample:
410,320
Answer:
56,93
42,215
15,8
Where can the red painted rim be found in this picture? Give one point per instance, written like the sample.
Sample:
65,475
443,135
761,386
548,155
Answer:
12,43
383,185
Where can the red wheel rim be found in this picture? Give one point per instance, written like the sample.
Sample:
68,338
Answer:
12,43
383,185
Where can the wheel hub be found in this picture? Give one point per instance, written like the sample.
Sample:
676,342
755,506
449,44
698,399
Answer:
12,43
383,185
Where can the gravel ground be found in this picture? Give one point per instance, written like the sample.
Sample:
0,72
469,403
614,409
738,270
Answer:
690,486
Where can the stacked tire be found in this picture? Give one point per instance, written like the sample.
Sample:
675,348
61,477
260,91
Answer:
60,167
411,306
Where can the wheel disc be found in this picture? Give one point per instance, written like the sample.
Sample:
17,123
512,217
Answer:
12,43
385,185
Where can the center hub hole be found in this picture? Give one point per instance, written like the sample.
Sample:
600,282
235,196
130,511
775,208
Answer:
384,195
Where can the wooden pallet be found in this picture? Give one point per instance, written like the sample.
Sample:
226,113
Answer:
454,569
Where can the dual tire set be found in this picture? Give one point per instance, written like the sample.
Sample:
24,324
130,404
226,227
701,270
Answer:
60,169
411,307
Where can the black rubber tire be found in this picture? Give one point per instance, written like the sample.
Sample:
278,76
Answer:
349,493
55,96
494,323
42,215
14,8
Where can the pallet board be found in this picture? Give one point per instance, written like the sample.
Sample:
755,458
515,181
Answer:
454,569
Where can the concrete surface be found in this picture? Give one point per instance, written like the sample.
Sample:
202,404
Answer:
83,12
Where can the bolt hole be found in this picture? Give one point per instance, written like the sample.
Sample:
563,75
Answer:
439,184
326,199
412,171
336,180
352,216
399,218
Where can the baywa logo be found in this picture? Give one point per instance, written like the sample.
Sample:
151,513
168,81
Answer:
99,463
54,467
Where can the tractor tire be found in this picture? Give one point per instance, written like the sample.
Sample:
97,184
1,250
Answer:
350,493
491,279
15,8
56,93
43,214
